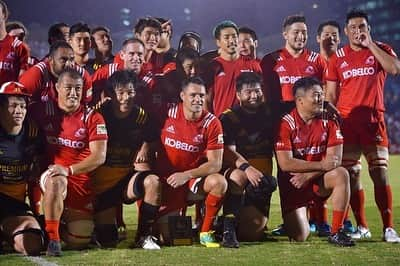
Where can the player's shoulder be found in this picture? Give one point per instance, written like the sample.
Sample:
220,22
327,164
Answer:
230,115
209,119
273,56
289,119
312,56
139,115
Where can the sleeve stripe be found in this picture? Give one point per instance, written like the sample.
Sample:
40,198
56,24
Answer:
173,111
290,120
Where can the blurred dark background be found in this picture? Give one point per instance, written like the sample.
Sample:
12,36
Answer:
265,17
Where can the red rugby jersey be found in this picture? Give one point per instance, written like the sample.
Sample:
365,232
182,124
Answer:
14,56
42,84
223,80
360,78
281,70
185,143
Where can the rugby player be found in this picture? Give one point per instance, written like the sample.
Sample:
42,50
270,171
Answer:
20,143
364,64
248,144
309,151
80,41
131,134
190,158
102,45
76,145
248,42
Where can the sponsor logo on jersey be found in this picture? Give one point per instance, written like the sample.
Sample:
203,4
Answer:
310,70
171,129
198,138
280,144
324,136
101,129
378,138
179,145
220,139
297,140
289,79
370,60
311,150
359,72
344,64
75,144
281,69
246,70
80,133
6,65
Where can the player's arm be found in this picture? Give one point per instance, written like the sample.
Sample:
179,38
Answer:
331,91
290,164
388,60
145,156
212,166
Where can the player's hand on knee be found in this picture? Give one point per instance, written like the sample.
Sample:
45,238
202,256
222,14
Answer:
178,179
330,162
56,169
253,175
299,180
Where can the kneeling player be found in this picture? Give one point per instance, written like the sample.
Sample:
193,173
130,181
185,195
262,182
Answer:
190,157
20,144
309,152
131,134
248,139
76,145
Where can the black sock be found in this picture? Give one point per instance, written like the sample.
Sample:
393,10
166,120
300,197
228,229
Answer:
147,215
232,205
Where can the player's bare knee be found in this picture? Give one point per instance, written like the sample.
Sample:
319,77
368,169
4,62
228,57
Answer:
341,176
151,182
56,185
239,178
217,183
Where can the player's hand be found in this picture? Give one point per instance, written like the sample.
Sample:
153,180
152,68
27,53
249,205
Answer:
178,179
142,156
56,169
331,112
365,38
299,180
253,175
330,162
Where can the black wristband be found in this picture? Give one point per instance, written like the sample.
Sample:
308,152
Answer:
244,166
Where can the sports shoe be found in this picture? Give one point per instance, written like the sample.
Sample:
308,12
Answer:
207,239
279,231
148,242
54,248
391,236
324,230
122,234
361,233
229,239
313,226
341,239
348,227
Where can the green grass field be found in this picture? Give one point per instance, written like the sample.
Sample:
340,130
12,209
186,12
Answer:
279,251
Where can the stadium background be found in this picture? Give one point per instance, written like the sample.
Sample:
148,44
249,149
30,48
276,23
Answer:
265,17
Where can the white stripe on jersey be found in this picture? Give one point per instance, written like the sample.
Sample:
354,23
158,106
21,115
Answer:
340,52
16,43
313,57
49,108
42,66
173,111
208,119
290,120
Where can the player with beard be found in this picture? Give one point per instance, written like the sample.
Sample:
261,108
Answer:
222,72
14,53
283,67
355,83
309,153
248,145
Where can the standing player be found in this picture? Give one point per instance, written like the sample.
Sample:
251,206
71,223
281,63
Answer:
282,68
58,32
248,42
355,82
76,145
164,46
14,54
131,134
308,152
248,142
79,39
102,45
20,145
40,79
222,72
190,157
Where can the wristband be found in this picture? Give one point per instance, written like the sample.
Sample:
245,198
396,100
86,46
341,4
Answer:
70,170
244,166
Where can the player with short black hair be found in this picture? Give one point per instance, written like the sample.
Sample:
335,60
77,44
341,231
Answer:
58,32
21,144
248,42
309,152
80,41
102,45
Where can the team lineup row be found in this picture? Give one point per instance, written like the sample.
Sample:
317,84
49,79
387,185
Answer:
90,150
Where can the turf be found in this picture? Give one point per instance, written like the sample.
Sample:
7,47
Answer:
277,251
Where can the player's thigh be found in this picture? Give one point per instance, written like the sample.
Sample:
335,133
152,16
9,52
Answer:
296,224
331,179
78,227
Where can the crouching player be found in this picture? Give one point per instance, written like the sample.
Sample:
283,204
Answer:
248,142
190,157
131,134
309,153
20,145
76,145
